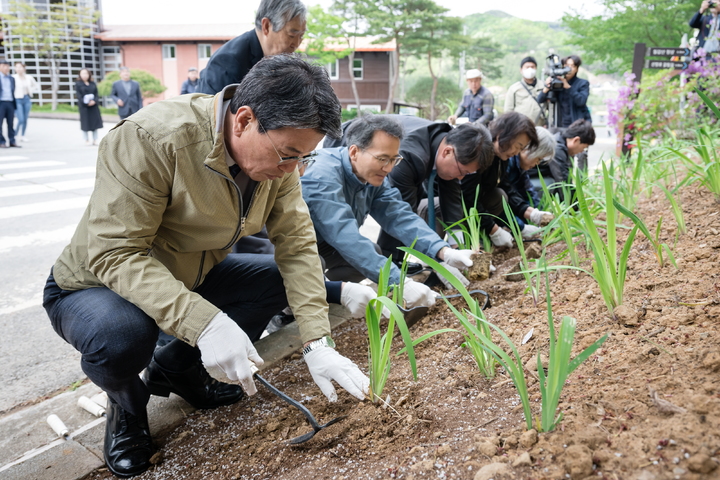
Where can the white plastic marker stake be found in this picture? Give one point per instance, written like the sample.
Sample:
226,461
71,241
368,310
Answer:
58,426
88,405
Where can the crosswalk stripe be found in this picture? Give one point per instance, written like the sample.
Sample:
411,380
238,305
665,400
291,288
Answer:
47,187
12,158
46,173
43,207
36,239
15,166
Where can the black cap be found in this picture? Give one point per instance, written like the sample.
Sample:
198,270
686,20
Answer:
3,61
528,59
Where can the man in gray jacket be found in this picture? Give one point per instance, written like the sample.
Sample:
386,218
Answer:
349,183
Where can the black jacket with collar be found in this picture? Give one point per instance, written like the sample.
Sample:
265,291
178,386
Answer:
230,63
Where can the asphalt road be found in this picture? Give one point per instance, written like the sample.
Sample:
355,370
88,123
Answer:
44,188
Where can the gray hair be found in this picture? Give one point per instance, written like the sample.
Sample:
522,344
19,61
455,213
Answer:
279,12
285,91
545,147
361,131
124,69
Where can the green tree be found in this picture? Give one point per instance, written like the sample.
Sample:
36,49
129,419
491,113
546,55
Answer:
393,20
483,53
446,96
437,35
49,32
150,86
610,38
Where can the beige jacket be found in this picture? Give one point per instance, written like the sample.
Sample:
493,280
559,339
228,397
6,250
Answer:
518,99
165,211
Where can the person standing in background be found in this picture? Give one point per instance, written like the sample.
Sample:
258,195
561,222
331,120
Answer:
87,95
7,104
707,25
126,93
192,83
25,88
477,102
522,96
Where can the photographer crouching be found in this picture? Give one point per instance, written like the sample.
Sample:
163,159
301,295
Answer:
567,95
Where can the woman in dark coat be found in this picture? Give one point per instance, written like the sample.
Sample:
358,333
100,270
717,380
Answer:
87,95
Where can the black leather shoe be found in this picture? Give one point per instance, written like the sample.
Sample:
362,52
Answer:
194,385
15,145
128,445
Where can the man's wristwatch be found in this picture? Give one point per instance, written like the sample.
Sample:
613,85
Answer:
325,341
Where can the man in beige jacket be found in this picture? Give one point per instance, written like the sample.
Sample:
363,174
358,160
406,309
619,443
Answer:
177,184
521,96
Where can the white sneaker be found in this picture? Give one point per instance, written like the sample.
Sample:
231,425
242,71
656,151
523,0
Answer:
24,139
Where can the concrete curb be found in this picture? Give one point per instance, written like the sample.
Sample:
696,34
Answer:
29,449
72,116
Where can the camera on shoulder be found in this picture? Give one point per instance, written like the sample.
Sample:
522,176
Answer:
554,69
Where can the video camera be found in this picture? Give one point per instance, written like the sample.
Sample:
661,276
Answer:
555,69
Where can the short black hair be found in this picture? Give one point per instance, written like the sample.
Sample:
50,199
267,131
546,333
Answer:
508,126
472,143
581,128
285,91
576,60
362,131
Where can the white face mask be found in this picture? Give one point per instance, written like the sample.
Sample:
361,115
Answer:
529,73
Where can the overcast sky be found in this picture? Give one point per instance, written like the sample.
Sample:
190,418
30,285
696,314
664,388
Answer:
144,12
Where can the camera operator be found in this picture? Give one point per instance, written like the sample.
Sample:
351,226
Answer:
570,99
522,96
708,25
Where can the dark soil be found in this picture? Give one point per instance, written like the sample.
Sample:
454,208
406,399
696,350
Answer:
645,406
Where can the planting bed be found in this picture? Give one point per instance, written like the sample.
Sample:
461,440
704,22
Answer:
645,406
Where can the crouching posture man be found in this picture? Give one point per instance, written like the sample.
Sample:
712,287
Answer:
349,183
177,184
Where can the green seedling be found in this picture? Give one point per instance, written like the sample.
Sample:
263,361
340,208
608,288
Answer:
470,227
676,210
473,333
379,344
654,240
524,263
609,270
707,172
559,365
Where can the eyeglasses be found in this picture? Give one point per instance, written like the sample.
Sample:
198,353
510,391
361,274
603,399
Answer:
305,160
460,165
385,161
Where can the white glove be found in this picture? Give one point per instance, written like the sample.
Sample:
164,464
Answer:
537,215
501,238
227,352
457,273
355,297
529,231
458,234
457,258
326,365
417,294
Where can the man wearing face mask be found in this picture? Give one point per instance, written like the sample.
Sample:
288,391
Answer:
522,96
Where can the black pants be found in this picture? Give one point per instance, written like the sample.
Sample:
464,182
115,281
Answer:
7,113
117,339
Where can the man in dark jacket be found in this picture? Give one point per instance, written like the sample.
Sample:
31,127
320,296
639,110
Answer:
571,101
279,28
435,157
570,142
707,25
7,103
192,83
126,93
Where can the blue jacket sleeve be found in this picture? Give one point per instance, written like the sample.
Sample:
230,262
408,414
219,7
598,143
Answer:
397,218
139,97
696,20
580,95
114,93
335,224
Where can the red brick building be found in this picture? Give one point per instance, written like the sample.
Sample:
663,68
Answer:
167,51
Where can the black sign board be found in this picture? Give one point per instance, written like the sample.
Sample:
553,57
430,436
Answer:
668,52
666,64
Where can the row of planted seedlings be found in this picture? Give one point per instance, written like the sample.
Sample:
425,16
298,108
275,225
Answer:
578,222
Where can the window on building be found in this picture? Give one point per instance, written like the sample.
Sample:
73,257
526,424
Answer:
333,69
204,51
168,52
358,68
